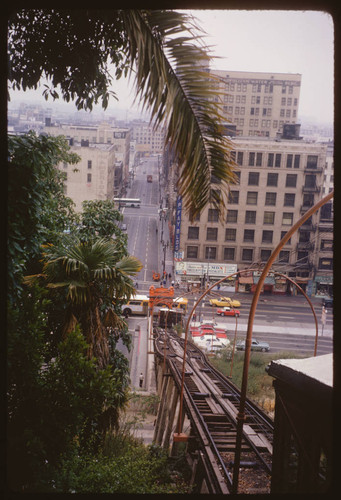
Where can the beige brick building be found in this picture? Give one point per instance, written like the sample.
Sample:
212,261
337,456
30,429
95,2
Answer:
278,181
258,104
148,140
104,133
93,177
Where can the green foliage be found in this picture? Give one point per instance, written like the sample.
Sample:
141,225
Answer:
138,470
143,404
60,403
259,382
88,41
100,218
36,204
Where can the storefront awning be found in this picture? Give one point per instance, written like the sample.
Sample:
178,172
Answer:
246,280
269,280
324,280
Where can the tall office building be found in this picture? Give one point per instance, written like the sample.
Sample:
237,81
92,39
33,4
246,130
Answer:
259,104
279,180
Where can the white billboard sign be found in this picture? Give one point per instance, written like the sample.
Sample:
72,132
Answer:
204,268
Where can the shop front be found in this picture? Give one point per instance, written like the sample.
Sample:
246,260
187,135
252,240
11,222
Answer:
323,286
245,282
280,286
268,285
194,274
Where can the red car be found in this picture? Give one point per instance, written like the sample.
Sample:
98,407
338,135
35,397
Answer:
227,311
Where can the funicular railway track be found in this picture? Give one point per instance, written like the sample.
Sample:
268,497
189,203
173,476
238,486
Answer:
212,401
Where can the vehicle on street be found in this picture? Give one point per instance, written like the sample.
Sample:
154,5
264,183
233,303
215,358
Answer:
256,345
149,178
124,227
136,305
228,311
327,303
207,328
211,343
225,302
128,202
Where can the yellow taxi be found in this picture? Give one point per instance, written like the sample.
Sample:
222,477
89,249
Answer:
225,302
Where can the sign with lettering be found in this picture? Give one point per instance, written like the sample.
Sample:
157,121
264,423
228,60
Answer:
178,224
202,268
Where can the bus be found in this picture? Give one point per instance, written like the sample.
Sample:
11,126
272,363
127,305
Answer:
128,202
138,305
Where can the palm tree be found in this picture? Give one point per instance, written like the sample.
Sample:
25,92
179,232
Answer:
165,54
94,279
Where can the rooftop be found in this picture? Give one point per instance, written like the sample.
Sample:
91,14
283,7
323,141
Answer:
307,373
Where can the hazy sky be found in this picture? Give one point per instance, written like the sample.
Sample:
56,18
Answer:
278,41
270,41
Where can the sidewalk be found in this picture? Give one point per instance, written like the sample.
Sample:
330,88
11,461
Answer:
300,329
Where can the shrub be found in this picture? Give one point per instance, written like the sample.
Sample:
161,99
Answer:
138,470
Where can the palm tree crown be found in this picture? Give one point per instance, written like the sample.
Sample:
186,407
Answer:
95,280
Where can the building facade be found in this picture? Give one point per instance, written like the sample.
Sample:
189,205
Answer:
93,177
279,180
259,104
103,134
148,140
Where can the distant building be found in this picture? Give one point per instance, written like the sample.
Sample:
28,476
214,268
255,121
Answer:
104,133
93,178
148,140
259,104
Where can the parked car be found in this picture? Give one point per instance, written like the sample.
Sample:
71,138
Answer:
256,345
228,311
225,302
124,227
328,303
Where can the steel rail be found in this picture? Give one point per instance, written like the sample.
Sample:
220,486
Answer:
216,476
208,435
254,412
229,384
210,385
246,438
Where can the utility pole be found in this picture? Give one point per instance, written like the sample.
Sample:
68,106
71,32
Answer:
323,318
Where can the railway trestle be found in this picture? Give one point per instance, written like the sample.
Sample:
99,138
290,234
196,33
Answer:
210,417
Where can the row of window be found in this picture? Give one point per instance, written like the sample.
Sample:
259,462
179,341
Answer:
273,159
231,99
252,199
229,253
249,234
271,180
257,87
249,255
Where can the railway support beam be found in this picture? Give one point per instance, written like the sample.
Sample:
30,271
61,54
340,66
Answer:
161,408
177,444
160,427
174,398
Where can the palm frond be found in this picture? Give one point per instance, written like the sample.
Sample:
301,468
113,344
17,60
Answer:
171,83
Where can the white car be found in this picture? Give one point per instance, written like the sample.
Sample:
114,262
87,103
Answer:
211,343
